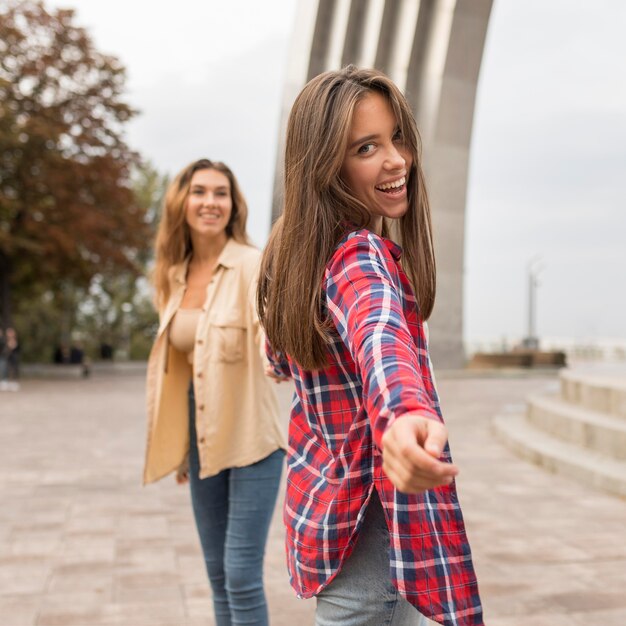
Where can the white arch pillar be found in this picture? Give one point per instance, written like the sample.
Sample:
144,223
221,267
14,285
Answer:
432,49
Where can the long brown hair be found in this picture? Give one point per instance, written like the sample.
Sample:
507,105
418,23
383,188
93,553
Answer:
318,204
173,240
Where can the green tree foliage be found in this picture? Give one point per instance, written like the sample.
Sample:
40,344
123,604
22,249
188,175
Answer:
114,310
68,211
117,309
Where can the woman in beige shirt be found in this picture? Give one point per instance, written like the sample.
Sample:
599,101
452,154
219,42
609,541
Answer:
212,412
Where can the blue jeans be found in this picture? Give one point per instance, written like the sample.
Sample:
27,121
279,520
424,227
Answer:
233,511
362,594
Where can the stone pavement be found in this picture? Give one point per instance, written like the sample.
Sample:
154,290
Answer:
83,544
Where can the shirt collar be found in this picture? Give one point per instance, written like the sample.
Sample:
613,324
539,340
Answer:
393,247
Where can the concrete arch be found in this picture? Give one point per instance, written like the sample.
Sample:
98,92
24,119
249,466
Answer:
433,50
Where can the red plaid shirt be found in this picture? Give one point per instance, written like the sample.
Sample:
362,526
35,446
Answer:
378,369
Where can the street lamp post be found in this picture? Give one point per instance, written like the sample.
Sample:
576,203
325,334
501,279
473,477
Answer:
127,308
535,267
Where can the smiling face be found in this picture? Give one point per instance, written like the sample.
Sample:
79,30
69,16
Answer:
377,163
209,204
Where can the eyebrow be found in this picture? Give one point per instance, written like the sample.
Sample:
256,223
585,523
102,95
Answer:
362,140
199,186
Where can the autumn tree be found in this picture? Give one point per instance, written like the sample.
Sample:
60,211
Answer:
116,309
67,207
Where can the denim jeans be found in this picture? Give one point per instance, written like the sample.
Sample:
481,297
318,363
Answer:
362,594
233,511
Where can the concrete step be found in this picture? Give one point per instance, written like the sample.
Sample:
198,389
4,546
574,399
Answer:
604,392
580,426
582,465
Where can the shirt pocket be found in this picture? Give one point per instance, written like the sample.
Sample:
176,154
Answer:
228,338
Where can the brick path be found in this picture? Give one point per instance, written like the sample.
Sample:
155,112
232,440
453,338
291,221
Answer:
83,544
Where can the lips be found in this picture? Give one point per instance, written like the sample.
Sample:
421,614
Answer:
394,187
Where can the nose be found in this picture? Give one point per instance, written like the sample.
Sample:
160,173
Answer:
395,160
209,199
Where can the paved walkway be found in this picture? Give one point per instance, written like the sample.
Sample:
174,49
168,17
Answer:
83,544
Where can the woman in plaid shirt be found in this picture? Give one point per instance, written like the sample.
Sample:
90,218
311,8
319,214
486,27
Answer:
374,527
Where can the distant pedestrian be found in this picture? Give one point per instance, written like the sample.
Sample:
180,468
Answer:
10,362
212,412
374,526
3,360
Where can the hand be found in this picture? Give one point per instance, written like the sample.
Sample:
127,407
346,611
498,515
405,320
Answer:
412,446
277,378
182,476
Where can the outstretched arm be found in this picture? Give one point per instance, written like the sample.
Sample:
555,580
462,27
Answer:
364,299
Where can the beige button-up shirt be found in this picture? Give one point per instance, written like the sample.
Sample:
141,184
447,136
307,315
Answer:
236,406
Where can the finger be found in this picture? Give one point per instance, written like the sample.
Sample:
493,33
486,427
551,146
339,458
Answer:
417,435
419,466
425,468
408,453
408,465
408,475
436,438
407,483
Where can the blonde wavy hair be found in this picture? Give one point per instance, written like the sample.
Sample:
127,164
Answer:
173,240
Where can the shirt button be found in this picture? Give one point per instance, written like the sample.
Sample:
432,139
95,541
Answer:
201,407
199,342
199,374
202,440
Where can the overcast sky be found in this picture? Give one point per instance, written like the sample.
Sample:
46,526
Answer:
548,169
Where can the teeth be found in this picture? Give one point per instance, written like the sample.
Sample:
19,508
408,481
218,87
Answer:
393,185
